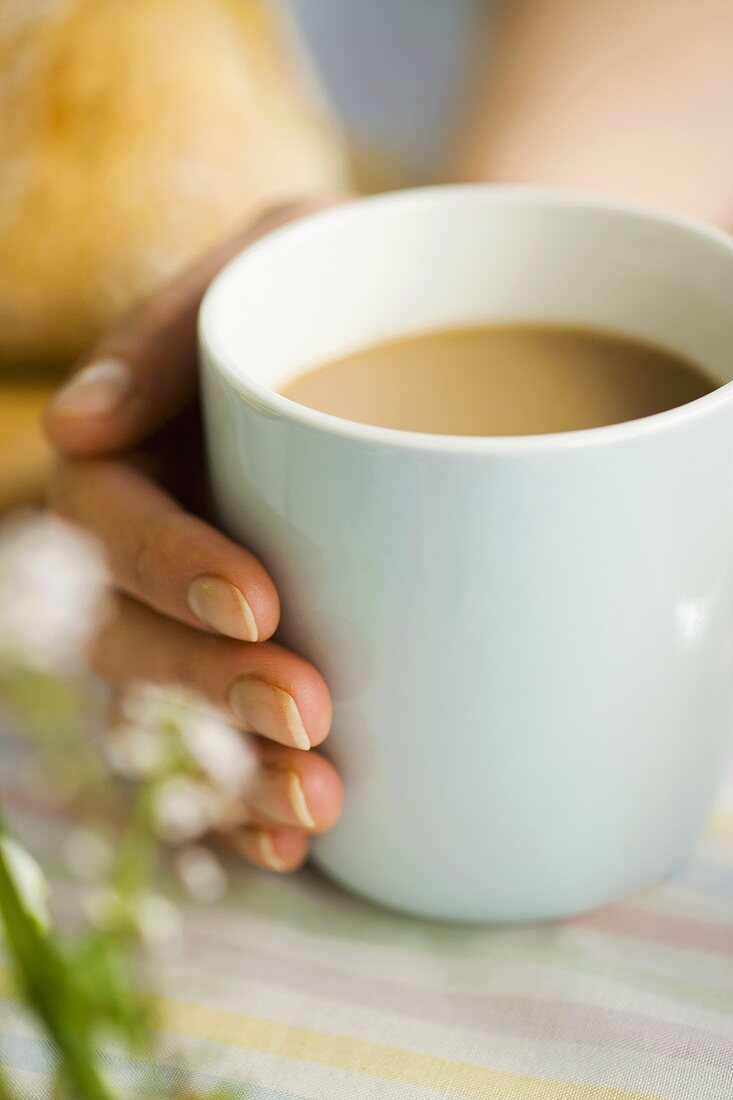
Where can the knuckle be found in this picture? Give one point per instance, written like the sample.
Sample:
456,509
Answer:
161,310
155,554
131,339
146,555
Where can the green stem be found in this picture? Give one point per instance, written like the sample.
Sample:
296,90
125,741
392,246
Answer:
136,853
50,991
5,1090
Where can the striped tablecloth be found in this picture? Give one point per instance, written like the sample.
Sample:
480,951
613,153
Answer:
291,989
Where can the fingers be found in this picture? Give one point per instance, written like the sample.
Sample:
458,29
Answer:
293,790
275,849
144,371
264,688
165,557
293,796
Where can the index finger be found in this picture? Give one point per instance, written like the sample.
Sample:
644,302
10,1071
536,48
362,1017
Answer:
143,372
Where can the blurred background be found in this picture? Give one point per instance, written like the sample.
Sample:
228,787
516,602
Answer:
134,134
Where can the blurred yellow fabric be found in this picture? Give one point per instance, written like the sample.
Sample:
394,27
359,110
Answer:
25,456
132,138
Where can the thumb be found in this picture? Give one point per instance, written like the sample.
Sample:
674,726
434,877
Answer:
143,372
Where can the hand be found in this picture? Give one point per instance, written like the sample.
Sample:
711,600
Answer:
194,608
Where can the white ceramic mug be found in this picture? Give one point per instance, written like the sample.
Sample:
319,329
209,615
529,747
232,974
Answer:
529,640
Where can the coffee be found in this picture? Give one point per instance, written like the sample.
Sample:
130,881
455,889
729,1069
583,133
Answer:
504,379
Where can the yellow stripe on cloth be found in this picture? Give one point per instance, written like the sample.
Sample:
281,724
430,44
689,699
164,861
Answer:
723,823
373,1059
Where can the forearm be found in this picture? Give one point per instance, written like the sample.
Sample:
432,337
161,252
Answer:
632,98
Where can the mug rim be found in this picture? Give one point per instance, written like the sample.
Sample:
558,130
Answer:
276,404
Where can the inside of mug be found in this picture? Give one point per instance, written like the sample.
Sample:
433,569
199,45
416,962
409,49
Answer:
465,256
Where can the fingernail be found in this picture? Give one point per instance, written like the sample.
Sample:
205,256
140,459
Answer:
96,389
258,845
277,794
269,711
221,605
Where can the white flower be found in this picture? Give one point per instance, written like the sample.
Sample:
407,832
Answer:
201,873
29,879
162,706
220,751
158,921
135,752
182,809
203,732
196,765
103,906
171,723
88,853
52,586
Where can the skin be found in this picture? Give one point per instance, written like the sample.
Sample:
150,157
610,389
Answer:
132,476
586,93
627,98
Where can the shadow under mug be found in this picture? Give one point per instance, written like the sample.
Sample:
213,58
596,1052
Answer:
529,640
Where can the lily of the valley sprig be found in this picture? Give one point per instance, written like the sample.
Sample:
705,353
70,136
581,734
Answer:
170,774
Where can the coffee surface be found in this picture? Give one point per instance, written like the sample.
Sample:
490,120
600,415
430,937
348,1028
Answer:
508,379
